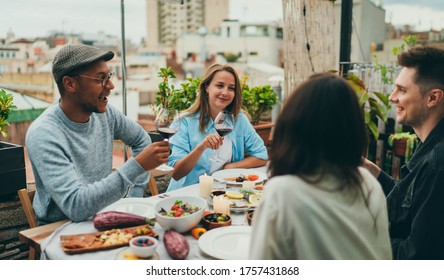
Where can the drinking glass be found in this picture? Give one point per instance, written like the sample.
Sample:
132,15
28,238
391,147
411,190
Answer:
167,123
224,124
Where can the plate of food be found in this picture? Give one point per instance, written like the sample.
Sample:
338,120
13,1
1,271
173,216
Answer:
103,240
237,176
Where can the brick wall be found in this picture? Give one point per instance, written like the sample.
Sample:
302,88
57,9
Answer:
12,220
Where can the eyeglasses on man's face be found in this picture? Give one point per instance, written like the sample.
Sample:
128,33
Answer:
104,80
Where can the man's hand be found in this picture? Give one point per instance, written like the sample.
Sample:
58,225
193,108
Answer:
154,155
371,167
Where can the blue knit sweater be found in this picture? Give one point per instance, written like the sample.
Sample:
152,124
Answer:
72,163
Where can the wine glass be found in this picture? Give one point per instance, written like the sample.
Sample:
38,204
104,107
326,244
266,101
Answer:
224,124
167,123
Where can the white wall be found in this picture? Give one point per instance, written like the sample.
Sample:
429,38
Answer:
132,101
266,47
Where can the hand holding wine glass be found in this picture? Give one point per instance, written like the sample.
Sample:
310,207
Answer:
224,124
167,123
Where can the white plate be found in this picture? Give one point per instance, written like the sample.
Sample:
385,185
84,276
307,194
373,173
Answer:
133,205
221,175
227,243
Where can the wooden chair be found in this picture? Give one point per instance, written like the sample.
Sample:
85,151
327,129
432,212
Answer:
26,198
152,182
35,234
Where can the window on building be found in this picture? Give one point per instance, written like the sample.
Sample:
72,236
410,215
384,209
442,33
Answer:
280,33
228,31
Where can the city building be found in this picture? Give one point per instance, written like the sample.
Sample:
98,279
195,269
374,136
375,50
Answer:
166,20
368,29
236,42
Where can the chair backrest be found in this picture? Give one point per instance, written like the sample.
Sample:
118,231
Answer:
152,182
26,198
152,185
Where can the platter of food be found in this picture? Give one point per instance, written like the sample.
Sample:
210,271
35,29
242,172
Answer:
237,176
240,199
103,240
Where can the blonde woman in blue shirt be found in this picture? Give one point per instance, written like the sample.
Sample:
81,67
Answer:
193,144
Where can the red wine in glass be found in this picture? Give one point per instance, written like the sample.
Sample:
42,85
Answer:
166,132
224,124
167,123
223,131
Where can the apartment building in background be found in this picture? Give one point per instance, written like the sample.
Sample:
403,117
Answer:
166,20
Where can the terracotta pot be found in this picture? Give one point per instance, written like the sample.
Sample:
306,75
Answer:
264,131
400,146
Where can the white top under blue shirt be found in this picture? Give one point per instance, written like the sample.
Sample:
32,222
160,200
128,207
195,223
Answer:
243,139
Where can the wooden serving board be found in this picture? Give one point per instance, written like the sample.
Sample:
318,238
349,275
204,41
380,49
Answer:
89,242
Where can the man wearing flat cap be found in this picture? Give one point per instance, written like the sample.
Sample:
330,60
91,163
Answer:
70,145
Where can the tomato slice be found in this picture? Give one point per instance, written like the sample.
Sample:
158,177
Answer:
253,177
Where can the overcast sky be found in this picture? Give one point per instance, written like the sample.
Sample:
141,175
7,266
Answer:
31,18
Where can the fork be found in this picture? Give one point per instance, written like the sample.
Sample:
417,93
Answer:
163,195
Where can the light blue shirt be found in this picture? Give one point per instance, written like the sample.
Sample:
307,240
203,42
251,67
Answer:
243,137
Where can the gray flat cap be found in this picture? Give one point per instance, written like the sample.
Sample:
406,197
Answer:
71,57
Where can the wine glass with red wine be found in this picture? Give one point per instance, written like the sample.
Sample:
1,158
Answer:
167,123
224,124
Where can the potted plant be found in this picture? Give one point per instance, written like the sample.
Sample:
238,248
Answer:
175,98
404,144
12,163
259,101
374,104
168,96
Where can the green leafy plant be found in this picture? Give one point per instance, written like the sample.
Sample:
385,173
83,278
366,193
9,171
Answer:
185,96
386,71
411,141
166,90
6,106
170,97
258,100
409,41
374,104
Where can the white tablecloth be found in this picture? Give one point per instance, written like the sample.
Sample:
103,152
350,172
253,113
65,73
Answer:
51,248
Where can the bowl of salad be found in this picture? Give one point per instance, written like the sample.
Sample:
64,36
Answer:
180,213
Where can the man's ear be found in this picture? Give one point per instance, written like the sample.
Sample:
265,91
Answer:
436,97
70,84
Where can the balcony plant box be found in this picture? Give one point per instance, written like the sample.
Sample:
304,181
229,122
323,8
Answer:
12,157
12,168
